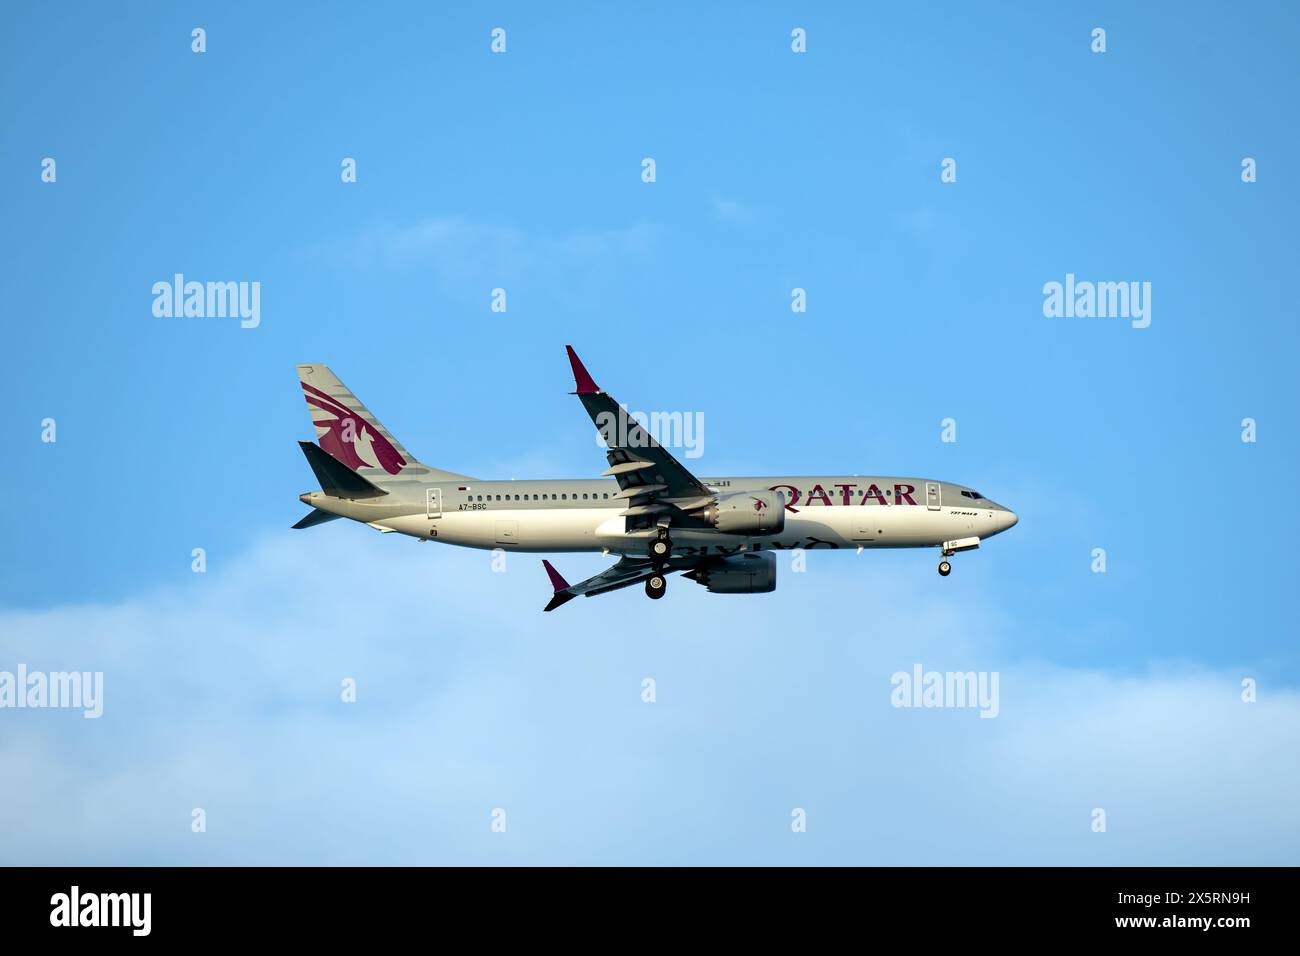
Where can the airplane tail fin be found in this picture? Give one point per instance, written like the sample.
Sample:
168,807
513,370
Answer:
351,434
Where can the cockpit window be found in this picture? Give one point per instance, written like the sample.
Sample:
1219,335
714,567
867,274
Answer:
974,495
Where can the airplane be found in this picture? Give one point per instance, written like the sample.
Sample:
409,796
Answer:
646,508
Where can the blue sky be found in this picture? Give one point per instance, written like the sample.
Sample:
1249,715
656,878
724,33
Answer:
774,170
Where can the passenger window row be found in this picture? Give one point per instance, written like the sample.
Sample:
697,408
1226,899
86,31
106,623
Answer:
546,497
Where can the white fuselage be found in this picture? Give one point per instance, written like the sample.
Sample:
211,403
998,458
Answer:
584,515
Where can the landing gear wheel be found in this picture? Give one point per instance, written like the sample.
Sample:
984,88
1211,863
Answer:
945,568
655,586
660,550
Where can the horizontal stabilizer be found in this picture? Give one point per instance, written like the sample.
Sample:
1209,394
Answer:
315,517
336,479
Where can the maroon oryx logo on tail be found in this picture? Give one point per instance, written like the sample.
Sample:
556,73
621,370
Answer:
348,437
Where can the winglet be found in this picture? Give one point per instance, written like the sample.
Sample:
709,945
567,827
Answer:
562,595
557,580
581,377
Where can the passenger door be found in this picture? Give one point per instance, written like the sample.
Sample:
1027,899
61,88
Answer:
933,495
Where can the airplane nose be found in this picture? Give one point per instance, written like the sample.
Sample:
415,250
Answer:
1009,519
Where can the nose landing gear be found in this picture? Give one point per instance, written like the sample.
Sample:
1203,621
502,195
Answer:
949,548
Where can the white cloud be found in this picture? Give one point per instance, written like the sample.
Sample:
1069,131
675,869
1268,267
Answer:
225,695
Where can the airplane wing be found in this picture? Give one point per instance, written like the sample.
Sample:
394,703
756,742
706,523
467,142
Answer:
627,571
659,490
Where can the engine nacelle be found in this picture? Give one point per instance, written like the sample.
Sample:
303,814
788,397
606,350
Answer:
753,573
749,513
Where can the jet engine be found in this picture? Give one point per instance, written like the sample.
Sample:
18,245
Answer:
749,513
753,573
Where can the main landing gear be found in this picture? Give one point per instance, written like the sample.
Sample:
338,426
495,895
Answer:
660,550
945,568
